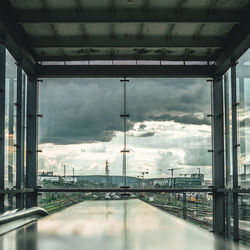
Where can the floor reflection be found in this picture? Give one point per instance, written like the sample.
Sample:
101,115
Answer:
112,225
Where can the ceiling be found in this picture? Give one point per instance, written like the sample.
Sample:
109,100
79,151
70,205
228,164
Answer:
52,31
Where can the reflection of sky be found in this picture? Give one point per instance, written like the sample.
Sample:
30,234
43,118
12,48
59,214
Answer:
167,128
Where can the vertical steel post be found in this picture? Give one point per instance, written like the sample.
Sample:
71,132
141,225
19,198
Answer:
235,151
242,128
218,157
227,155
31,160
184,206
2,120
19,138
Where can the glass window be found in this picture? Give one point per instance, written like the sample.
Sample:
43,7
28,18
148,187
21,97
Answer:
168,133
243,95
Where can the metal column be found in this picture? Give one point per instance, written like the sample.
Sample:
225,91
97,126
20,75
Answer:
235,151
31,160
227,156
184,200
20,106
2,120
218,157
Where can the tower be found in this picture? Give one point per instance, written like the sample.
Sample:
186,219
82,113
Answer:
106,168
124,116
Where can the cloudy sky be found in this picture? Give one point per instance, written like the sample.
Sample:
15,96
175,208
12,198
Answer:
81,126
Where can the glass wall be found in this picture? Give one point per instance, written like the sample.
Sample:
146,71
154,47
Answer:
167,129
168,135
11,104
243,88
242,147
10,127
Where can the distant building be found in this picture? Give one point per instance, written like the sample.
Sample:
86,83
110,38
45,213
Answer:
194,180
47,176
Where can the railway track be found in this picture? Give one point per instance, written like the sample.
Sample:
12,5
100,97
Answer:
58,205
244,235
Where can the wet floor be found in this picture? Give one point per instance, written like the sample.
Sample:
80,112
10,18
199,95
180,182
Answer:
112,225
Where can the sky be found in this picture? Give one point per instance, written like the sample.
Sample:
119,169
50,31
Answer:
167,128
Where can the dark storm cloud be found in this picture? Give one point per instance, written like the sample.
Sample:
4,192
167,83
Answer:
88,110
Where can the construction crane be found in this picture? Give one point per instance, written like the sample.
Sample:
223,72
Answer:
143,173
172,171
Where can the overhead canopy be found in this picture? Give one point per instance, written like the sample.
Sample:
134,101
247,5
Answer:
45,36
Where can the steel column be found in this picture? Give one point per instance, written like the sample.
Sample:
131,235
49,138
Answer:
184,200
19,138
2,119
218,157
31,160
227,156
235,150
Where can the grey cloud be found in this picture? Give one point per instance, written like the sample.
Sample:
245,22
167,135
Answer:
88,110
185,119
147,134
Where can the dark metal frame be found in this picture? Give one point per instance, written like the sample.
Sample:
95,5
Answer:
131,15
235,146
14,36
218,156
31,166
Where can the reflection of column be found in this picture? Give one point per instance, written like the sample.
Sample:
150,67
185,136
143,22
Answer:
31,162
20,239
242,125
2,120
20,137
227,156
125,244
11,140
234,150
29,239
11,124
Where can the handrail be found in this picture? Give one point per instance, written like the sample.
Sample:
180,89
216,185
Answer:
9,217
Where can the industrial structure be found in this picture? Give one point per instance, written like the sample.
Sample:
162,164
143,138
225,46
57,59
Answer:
106,168
124,39
125,116
193,181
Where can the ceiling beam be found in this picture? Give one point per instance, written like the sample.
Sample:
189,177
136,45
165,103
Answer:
89,71
126,42
237,42
15,40
164,56
130,15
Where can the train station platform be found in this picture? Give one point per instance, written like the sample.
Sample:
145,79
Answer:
112,225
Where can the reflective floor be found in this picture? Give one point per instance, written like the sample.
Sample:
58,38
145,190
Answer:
112,225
